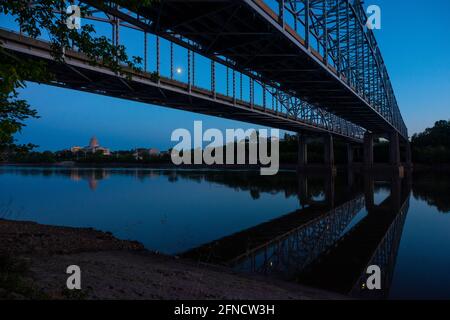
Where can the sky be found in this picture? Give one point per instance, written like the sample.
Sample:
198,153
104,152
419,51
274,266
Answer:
414,40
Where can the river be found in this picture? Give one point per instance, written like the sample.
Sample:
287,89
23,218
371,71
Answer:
321,230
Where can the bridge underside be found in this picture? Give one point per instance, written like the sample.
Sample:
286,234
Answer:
248,33
79,74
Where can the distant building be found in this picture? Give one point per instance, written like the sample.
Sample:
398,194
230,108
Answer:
93,143
142,153
76,149
94,147
153,152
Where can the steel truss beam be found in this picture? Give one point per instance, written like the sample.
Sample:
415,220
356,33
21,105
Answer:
334,31
341,36
283,103
78,73
286,102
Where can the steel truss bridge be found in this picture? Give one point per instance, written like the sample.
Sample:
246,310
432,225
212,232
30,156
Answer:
302,66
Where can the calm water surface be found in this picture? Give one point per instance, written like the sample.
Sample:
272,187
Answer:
317,229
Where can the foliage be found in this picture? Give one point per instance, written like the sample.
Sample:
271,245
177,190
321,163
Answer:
14,111
23,156
13,281
433,145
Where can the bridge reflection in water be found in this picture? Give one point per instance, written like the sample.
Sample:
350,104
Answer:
329,242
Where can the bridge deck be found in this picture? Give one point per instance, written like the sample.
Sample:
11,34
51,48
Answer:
78,73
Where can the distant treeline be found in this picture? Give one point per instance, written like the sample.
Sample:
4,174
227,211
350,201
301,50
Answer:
288,154
433,145
429,147
60,156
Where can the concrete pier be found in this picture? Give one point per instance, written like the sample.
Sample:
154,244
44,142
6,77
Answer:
302,150
368,150
350,154
394,149
328,150
369,190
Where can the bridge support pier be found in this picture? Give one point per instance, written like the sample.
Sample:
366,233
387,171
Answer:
368,150
329,190
303,196
329,154
350,154
396,192
394,149
302,150
328,151
350,180
394,154
369,190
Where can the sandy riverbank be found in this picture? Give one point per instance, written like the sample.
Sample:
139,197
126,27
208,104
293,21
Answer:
34,258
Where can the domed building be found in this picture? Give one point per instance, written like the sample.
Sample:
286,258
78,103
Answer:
94,147
93,143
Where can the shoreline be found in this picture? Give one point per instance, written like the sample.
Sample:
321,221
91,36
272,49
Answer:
315,167
122,269
162,166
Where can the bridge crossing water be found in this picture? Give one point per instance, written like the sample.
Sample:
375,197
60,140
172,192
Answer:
307,66
323,54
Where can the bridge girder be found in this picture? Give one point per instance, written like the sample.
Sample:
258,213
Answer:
335,37
310,117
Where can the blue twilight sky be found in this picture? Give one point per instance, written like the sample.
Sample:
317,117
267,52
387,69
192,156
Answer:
414,40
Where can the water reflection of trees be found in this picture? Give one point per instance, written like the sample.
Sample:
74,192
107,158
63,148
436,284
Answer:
247,181
252,182
285,182
433,189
